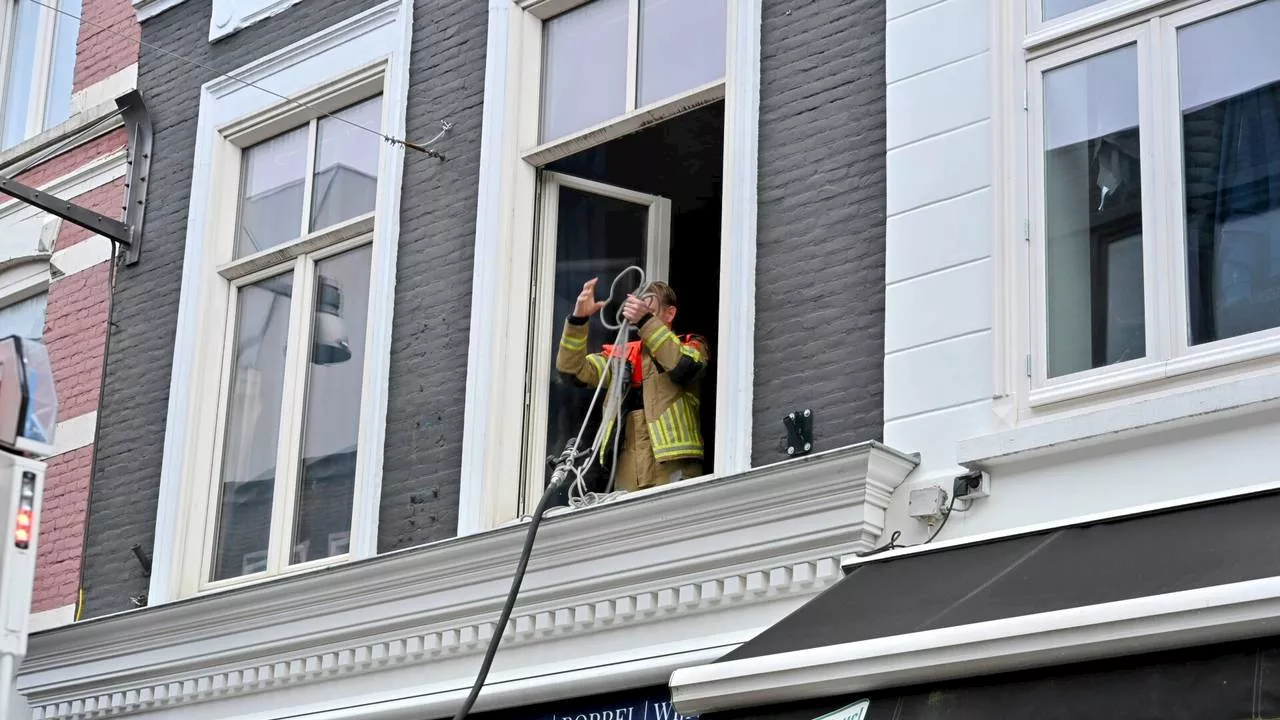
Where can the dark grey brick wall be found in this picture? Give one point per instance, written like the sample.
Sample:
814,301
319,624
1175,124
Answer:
423,457
122,503
821,242
820,294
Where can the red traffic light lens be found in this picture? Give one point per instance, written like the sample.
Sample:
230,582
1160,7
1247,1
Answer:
22,533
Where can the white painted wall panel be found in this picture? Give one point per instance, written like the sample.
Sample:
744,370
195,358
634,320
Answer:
945,99
939,236
938,306
940,168
932,435
898,8
936,36
942,375
1161,467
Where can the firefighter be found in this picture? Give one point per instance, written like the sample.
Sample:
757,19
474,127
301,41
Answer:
661,432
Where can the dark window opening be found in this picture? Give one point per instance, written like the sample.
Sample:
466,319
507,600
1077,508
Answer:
680,160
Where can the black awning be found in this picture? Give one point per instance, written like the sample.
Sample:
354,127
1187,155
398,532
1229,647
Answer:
1190,547
1235,681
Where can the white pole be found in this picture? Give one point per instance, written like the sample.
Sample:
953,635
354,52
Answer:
8,691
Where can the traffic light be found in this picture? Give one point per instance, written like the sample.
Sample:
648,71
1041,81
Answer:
28,416
21,488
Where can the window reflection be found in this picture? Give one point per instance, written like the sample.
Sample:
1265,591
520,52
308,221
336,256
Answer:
1229,83
252,428
1093,214
326,482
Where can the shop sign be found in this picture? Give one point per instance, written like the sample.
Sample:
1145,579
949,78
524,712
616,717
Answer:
856,711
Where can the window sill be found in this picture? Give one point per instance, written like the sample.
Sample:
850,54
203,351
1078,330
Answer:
1229,397
1206,357
615,587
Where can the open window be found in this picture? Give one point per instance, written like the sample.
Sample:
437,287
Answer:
650,199
589,230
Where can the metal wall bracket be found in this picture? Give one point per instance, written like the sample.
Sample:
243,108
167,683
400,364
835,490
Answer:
129,232
137,123
799,432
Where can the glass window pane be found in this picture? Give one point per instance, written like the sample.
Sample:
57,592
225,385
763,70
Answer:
1051,9
24,319
19,79
1229,83
1093,214
346,180
253,428
58,107
682,46
326,483
597,237
271,192
584,74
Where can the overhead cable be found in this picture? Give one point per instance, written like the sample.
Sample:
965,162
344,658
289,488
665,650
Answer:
445,127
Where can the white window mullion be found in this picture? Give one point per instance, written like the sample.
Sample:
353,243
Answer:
633,54
289,450
1036,204
1154,238
308,180
1170,187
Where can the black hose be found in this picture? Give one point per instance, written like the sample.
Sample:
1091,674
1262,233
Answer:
559,480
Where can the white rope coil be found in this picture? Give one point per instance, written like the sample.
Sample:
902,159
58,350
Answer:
615,369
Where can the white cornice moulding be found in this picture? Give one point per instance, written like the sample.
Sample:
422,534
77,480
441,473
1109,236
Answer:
231,16
676,571
1215,614
147,9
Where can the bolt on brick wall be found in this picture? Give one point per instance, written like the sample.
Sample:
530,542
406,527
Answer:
821,234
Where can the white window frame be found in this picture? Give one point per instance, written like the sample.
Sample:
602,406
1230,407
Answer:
511,155
360,57
46,40
1171,365
656,263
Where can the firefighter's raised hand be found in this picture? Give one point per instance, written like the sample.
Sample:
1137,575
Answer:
634,309
587,305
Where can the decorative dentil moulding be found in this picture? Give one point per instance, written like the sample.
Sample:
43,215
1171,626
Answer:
730,550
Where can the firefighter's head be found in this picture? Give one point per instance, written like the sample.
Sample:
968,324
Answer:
661,300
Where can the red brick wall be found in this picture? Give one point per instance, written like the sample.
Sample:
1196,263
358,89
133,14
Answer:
66,498
107,200
99,53
75,332
77,312
68,161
